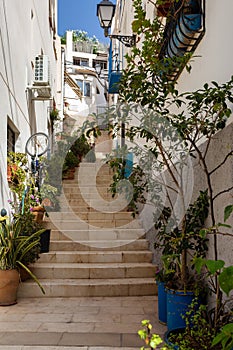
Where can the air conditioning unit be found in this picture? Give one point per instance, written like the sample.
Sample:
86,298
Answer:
42,70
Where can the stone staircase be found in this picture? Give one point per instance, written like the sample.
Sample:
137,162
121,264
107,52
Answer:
97,248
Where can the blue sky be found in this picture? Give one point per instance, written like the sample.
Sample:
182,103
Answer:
80,14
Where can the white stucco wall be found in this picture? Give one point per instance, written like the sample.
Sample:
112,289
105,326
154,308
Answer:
25,32
212,60
214,54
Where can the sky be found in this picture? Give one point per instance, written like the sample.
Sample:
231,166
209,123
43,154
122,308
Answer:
80,14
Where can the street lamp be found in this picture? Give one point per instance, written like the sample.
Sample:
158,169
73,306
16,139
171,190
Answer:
98,69
105,13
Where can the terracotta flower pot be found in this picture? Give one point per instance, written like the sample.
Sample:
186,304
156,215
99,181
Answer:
11,169
38,216
38,213
9,282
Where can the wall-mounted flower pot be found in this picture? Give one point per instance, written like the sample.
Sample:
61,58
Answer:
162,302
45,241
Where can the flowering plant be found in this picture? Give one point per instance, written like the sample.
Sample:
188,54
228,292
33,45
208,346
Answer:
16,245
29,202
33,201
163,275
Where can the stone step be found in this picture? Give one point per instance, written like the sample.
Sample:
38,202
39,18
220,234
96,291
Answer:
108,235
91,180
86,215
79,195
82,225
97,165
68,188
88,245
103,205
88,287
29,335
56,235
90,174
96,257
92,270
66,207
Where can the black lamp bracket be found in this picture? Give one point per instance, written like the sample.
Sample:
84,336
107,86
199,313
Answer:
127,40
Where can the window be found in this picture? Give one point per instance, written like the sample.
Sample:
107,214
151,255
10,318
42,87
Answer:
10,140
85,87
103,64
80,85
80,62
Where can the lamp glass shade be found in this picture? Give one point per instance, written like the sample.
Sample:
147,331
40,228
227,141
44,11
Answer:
98,69
105,13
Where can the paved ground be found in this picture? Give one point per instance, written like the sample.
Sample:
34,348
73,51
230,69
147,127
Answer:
98,323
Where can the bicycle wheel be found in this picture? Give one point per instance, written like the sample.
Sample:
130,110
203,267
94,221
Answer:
37,144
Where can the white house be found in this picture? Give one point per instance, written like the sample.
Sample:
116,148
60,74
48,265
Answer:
30,59
85,78
212,61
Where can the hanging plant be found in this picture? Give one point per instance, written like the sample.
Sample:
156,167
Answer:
54,115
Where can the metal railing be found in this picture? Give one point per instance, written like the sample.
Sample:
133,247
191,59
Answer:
184,29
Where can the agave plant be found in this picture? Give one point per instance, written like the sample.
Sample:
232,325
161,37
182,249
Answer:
15,245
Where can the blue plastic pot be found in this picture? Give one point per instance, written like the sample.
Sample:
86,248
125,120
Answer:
177,306
167,337
162,302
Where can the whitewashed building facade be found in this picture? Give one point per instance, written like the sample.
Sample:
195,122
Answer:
28,31
212,61
85,91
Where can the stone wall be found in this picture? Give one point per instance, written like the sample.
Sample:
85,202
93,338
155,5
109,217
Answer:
222,180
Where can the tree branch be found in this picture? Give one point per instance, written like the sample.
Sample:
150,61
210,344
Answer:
221,192
224,161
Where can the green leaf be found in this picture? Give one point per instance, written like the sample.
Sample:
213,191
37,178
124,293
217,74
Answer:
145,322
203,233
226,279
224,225
142,334
214,265
199,263
225,337
136,25
32,275
227,211
228,328
219,337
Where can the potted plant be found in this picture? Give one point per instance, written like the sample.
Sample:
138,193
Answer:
80,147
162,277
14,246
181,289
17,172
54,114
71,161
29,226
176,130
48,194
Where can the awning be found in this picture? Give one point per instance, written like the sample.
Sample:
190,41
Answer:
73,85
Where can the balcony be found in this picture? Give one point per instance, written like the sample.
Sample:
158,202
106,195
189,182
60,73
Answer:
184,28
